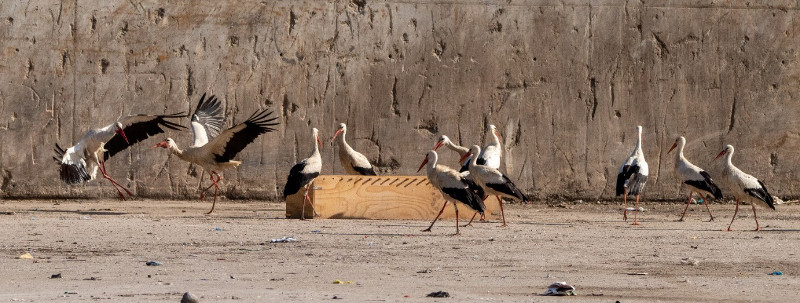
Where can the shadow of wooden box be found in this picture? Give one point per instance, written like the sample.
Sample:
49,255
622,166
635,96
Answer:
378,197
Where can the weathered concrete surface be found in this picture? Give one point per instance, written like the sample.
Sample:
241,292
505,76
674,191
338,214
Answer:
565,81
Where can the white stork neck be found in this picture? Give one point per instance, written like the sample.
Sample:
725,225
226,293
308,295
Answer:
679,154
315,153
432,164
173,148
459,149
495,139
728,158
106,133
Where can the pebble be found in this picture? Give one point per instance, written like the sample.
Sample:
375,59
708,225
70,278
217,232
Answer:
189,298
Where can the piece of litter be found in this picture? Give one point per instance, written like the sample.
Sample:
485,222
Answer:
690,261
283,240
637,273
56,276
641,209
316,231
25,256
560,289
438,294
342,282
776,273
154,263
70,293
189,298
217,229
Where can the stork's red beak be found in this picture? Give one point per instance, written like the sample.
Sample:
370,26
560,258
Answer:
496,133
438,144
336,134
722,153
162,144
423,164
464,157
673,147
122,133
319,142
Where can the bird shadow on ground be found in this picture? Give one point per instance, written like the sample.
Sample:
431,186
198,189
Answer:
83,212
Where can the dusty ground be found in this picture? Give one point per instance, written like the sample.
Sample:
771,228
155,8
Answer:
100,249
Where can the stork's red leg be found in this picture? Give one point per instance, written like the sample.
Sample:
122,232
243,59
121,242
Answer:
311,185
705,200
214,182
625,206
636,212
473,218
216,189
437,217
758,227
306,199
502,213
456,208
687,206
483,215
734,214
113,182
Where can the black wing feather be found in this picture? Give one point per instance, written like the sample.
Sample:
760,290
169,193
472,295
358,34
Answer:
366,171
140,131
473,186
706,184
508,188
297,179
466,196
624,175
761,194
258,123
209,114
70,173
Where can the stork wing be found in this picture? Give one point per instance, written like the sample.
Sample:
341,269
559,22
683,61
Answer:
233,140
137,128
207,120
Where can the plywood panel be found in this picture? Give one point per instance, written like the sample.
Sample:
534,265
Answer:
378,197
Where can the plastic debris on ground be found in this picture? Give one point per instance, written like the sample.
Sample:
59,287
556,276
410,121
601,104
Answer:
25,256
439,294
154,263
56,276
342,282
560,289
217,229
641,209
776,273
283,240
690,261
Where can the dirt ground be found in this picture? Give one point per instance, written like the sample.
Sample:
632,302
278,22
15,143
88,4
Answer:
100,248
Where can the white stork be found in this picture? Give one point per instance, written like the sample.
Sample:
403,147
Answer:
213,150
493,181
632,177
698,180
303,173
491,154
353,162
454,187
80,163
445,141
744,187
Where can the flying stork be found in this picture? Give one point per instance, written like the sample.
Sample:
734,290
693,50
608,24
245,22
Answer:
744,187
353,162
213,150
493,181
303,173
698,180
454,187
80,163
632,177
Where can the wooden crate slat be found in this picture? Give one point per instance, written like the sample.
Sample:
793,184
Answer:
378,197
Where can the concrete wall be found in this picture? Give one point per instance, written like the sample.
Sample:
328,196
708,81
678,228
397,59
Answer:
566,82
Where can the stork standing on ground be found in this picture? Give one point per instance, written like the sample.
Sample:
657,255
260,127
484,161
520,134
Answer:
493,181
491,154
303,173
445,141
744,187
454,187
213,150
80,163
353,162
632,177
698,180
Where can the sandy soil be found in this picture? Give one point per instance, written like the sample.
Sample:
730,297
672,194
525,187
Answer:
100,249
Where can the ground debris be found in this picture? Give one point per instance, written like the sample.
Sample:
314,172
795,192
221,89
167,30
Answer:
560,289
439,294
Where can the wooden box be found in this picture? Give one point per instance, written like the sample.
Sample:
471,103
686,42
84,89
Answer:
379,197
